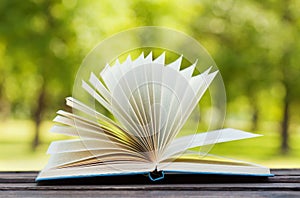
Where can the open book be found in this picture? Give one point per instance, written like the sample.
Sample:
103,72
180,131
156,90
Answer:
150,103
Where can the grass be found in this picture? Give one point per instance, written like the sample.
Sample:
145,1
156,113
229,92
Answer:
16,153
263,150
15,145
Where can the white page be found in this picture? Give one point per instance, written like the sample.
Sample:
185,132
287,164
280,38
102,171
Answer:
157,119
124,87
105,75
201,139
176,64
175,102
66,146
112,75
130,104
170,98
74,131
187,72
108,77
119,113
80,118
86,134
213,168
82,127
188,100
102,169
78,105
76,123
192,102
64,159
100,87
95,95
75,104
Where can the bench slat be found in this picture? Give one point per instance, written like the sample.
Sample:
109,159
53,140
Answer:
122,193
286,183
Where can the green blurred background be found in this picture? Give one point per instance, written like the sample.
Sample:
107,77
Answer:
255,44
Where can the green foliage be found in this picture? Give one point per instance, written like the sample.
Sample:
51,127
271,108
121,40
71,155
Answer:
37,53
255,44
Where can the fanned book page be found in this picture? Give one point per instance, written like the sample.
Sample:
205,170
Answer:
150,102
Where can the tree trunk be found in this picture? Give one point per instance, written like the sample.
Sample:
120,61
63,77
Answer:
255,112
38,118
285,126
254,118
4,103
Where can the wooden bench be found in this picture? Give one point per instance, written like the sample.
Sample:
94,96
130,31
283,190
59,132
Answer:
285,183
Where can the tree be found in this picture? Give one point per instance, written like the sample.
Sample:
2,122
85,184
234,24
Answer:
39,55
290,70
259,50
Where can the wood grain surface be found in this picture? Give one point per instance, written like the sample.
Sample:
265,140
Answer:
285,183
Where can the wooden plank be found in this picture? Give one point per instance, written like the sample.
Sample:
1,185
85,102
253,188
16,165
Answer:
122,193
286,183
295,171
174,187
18,177
284,179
